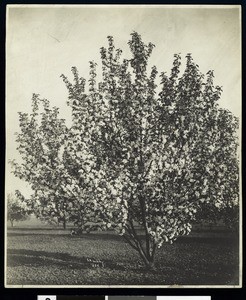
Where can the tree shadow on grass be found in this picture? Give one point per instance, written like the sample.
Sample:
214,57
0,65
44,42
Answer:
23,257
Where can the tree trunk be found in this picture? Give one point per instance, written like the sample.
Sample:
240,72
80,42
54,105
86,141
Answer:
12,223
146,253
151,265
147,259
64,224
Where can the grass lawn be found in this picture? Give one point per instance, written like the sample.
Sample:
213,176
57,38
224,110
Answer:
53,257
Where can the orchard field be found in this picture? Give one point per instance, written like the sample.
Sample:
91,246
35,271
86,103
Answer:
48,256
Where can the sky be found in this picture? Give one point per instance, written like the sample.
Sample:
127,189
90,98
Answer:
44,42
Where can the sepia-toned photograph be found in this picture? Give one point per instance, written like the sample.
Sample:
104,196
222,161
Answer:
123,146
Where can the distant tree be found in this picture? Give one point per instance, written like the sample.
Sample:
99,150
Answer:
17,210
226,216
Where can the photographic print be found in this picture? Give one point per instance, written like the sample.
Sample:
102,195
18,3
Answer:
123,144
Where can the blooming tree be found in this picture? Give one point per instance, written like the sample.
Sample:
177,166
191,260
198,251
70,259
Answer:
17,210
40,144
138,152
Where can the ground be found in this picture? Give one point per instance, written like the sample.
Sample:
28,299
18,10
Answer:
53,257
